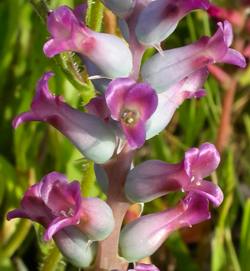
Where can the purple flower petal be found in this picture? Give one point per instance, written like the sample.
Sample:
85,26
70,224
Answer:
153,179
131,104
57,205
80,12
171,99
115,95
142,237
143,98
209,190
87,132
75,246
171,66
201,162
161,17
135,134
98,107
104,50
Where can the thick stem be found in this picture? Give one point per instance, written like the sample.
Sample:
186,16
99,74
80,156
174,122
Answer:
117,170
229,84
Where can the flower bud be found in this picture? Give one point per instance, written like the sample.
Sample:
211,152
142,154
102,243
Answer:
144,236
94,139
75,246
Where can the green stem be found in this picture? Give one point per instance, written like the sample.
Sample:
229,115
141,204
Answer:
16,239
52,261
95,15
41,8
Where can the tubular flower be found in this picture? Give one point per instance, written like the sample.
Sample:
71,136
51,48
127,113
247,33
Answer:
142,237
104,50
68,218
167,68
88,133
154,178
159,19
132,105
170,100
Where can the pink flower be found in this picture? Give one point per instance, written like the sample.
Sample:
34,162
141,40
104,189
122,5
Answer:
169,67
142,237
88,133
154,178
71,220
132,104
69,33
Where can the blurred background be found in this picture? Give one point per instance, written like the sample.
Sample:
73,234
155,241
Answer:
33,150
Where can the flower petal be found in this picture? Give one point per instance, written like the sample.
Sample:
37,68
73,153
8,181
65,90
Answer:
152,179
104,50
171,66
75,246
142,237
201,162
116,93
209,190
97,220
170,100
160,18
143,98
88,133
135,134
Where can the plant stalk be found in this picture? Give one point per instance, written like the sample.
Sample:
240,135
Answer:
117,170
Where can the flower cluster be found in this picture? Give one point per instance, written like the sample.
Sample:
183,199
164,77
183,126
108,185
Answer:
134,102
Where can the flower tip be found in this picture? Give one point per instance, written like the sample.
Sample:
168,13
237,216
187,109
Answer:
48,49
219,197
16,122
47,237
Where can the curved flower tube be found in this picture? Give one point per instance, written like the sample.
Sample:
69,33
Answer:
160,18
132,104
170,100
104,50
88,133
75,246
142,237
67,217
153,179
169,67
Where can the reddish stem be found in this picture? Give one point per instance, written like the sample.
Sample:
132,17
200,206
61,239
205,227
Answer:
117,170
229,84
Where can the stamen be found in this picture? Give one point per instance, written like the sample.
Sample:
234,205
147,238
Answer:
68,213
129,117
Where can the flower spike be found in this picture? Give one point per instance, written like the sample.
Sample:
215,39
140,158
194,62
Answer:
153,179
88,133
104,50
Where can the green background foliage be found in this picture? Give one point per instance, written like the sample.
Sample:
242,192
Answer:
33,150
